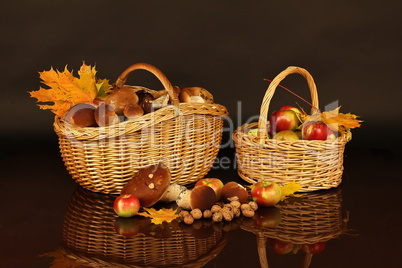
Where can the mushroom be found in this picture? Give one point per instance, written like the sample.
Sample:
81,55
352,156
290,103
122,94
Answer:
202,197
195,94
133,111
233,189
81,115
163,92
106,116
172,193
145,101
120,98
149,184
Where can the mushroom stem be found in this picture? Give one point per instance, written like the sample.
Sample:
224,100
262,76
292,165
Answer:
183,200
172,193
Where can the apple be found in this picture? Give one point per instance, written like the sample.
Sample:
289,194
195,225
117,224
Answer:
281,247
215,184
126,205
126,227
286,135
314,248
315,131
292,108
267,217
331,135
283,120
266,194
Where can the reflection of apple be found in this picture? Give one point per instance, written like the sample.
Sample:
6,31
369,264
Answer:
267,217
281,247
215,184
266,194
126,205
126,227
286,135
283,120
314,248
314,131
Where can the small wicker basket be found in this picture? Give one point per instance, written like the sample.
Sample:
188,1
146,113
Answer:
89,238
184,136
315,217
311,163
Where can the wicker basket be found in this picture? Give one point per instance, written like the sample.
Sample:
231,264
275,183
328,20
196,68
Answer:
314,164
184,136
315,217
89,238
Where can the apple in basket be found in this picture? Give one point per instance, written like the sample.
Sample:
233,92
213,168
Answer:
214,183
292,108
266,193
315,131
286,135
283,120
126,205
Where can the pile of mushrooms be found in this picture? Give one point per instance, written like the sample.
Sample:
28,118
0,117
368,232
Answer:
128,103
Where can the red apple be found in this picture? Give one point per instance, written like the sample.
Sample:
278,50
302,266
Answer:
281,247
314,248
215,184
283,120
314,131
292,108
126,205
331,135
267,217
126,227
286,135
266,194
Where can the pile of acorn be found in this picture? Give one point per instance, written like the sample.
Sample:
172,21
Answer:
130,103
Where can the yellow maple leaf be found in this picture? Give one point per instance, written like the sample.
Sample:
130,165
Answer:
161,215
65,90
290,189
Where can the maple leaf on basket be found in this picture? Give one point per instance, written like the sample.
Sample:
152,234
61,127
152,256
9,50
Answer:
65,90
161,215
290,189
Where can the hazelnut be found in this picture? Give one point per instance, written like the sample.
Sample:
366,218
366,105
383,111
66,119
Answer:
215,208
196,213
207,214
253,205
188,219
217,216
182,214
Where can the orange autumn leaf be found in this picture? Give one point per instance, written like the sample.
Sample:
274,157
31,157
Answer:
159,216
61,260
65,90
290,189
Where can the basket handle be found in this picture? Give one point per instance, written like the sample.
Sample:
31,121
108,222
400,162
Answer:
121,80
262,122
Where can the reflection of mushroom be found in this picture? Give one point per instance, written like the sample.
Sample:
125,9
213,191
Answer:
105,116
232,189
120,98
148,184
82,115
195,94
133,111
202,197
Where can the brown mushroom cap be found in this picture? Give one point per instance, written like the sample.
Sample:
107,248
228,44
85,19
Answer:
120,98
145,101
232,189
82,115
133,111
191,94
105,116
202,197
148,184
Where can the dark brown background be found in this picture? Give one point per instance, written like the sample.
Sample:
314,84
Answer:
352,49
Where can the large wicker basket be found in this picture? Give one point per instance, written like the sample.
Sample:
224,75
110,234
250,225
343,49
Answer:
314,164
184,136
89,238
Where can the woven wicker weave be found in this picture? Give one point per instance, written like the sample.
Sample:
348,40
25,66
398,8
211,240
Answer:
184,136
89,238
312,218
314,164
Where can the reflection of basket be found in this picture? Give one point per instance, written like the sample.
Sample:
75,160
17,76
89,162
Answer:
184,136
315,217
89,237
312,163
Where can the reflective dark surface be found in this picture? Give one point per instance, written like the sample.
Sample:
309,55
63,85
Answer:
48,220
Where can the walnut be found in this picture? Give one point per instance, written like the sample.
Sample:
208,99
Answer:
182,214
196,213
247,210
215,208
207,214
217,216
235,204
245,207
227,214
236,212
188,219
228,207
253,205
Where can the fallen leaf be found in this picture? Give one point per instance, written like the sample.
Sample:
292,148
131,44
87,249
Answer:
161,215
290,189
